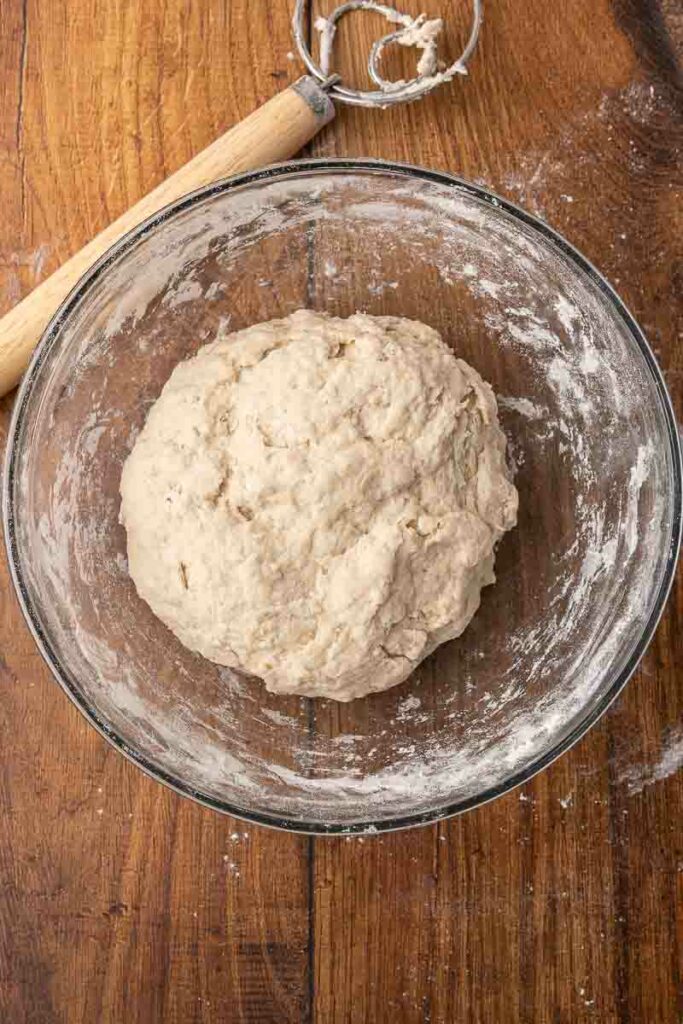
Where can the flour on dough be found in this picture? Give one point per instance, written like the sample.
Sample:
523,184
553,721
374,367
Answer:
317,500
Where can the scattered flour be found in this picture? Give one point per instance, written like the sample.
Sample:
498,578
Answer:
670,761
530,410
407,707
574,151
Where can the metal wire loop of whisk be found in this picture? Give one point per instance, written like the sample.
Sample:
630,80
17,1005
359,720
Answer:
429,76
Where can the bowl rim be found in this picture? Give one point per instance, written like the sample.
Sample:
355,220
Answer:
50,337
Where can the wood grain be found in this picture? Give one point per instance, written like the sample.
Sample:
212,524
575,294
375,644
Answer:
559,903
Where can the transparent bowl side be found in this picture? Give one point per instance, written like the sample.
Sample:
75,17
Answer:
579,582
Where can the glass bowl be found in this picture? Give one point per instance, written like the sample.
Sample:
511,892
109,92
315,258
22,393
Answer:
581,581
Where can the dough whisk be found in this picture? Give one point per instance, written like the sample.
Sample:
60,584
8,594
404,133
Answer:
420,32
273,133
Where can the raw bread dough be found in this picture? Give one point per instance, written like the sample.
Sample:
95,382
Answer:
316,501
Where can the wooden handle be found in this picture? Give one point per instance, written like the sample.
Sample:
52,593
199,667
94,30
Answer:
274,132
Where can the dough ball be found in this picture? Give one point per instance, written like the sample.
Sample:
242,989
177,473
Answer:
316,501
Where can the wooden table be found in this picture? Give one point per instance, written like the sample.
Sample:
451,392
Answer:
556,903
